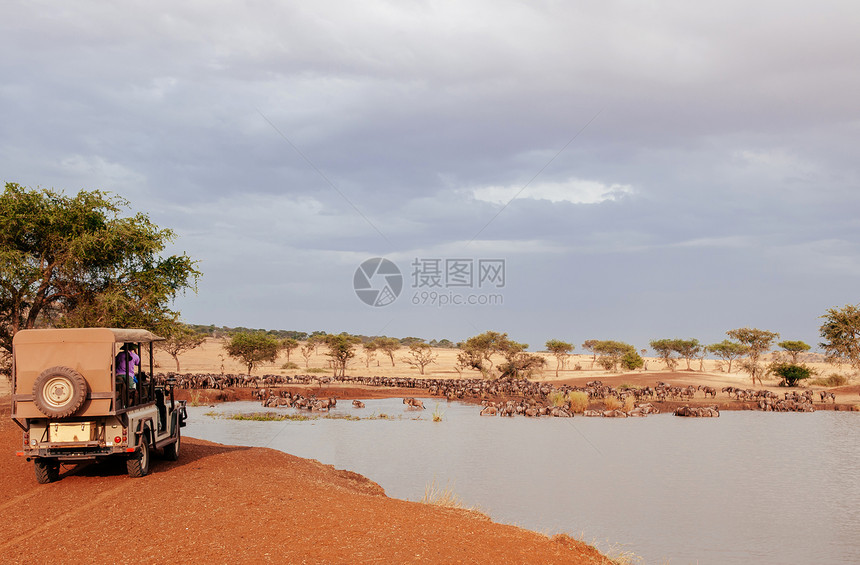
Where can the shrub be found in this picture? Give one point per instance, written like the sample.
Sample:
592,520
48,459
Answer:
632,361
317,370
611,403
629,403
791,373
289,365
557,398
831,381
578,401
606,362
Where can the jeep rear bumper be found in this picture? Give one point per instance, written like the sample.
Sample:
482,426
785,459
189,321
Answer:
76,453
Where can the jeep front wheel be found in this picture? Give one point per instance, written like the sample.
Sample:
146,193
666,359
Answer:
59,392
138,464
171,452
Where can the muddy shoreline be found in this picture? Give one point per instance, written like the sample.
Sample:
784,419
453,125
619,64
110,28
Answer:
231,504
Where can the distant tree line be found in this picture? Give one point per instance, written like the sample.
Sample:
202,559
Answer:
212,330
494,354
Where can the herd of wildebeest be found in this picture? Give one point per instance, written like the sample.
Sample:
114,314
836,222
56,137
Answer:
510,397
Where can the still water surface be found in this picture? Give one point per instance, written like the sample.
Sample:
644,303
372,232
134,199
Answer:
748,487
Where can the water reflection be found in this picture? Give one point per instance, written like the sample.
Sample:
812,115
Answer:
747,487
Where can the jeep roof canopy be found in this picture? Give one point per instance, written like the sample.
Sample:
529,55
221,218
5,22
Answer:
89,352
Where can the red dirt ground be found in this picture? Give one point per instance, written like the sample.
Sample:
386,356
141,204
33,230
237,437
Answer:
223,504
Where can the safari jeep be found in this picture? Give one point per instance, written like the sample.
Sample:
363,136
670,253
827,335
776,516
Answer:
73,408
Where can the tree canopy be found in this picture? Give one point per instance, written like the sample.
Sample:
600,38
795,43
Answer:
179,339
840,333
341,348
559,349
477,352
77,261
728,351
420,355
664,348
612,352
757,343
253,348
388,345
794,347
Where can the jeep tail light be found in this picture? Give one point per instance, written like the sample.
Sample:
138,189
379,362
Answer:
117,439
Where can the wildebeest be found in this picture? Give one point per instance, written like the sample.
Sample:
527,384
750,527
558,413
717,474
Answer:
413,404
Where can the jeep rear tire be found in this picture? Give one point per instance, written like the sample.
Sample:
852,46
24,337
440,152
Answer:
46,471
138,463
59,392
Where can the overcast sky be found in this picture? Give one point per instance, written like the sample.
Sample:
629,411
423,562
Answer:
645,170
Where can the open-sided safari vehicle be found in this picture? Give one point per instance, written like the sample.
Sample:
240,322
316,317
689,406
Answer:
73,407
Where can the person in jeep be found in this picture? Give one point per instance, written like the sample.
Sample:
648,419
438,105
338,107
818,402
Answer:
126,361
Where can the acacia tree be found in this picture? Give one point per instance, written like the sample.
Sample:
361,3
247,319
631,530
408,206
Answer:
477,352
420,355
687,349
307,350
664,349
310,347
341,348
588,345
559,349
612,353
253,348
370,349
727,351
288,345
388,345
757,342
178,340
841,334
518,362
794,348
78,261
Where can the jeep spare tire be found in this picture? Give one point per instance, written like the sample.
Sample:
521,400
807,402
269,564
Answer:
59,392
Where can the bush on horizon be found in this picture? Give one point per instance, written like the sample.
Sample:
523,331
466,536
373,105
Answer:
632,361
791,373
834,379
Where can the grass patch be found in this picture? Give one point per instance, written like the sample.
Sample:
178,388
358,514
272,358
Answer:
441,496
557,398
437,414
611,403
195,398
831,381
289,365
629,403
316,370
578,401
447,498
